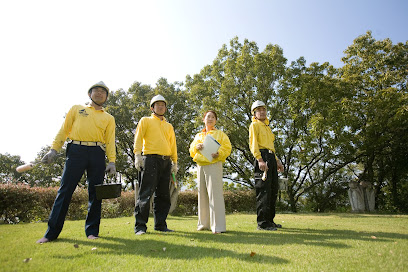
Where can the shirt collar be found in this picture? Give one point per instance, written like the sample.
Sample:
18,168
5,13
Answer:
266,122
90,106
154,116
209,131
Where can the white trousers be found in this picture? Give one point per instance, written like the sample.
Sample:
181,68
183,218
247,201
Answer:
211,207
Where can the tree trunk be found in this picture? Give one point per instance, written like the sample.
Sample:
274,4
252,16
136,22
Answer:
292,201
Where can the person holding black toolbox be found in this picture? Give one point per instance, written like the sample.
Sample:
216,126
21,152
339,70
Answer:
91,131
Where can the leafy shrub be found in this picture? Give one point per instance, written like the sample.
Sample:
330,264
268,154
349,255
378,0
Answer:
187,203
21,203
117,207
240,201
16,203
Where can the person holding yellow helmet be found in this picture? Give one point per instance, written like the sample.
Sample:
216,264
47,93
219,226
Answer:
91,131
261,144
155,152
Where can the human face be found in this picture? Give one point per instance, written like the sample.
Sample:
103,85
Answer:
99,95
260,113
159,108
210,120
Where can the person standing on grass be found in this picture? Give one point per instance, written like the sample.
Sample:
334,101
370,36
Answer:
211,206
91,131
261,144
156,158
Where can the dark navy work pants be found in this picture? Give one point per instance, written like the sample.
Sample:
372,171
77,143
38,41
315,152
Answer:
155,179
79,159
266,191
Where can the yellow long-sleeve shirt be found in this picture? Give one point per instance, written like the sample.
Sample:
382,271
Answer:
260,137
84,123
224,151
155,136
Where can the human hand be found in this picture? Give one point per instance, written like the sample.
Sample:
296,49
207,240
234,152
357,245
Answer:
139,162
49,157
280,166
263,166
199,146
174,168
215,155
111,169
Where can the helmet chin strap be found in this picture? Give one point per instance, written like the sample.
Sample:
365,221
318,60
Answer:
157,114
97,103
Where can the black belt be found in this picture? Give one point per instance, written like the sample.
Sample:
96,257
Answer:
266,151
158,156
269,153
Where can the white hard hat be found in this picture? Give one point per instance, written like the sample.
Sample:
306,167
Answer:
257,104
157,98
99,84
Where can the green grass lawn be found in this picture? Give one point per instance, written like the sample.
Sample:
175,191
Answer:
307,242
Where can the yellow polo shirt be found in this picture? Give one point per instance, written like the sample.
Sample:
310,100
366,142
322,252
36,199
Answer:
84,123
260,137
224,151
155,136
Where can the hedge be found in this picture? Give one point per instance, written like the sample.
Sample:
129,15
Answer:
21,203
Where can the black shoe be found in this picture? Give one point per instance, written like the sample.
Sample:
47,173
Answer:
276,225
140,232
266,228
165,230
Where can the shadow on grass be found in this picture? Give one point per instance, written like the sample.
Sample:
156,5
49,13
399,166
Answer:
154,249
266,238
348,234
348,215
197,245
179,218
327,238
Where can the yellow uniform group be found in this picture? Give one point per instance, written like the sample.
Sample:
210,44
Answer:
91,134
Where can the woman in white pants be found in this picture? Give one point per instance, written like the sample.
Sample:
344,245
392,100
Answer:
211,207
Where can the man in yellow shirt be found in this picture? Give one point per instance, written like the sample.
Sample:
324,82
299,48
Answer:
262,147
156,158
91,131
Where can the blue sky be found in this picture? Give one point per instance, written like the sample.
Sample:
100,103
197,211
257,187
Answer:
51,52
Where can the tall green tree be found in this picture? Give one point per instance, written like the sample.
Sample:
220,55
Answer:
377,72
312,137
8,173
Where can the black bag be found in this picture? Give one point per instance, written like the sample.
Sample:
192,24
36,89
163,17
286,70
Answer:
109,189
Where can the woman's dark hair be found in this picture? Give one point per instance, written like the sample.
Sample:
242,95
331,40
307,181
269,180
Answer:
205,113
